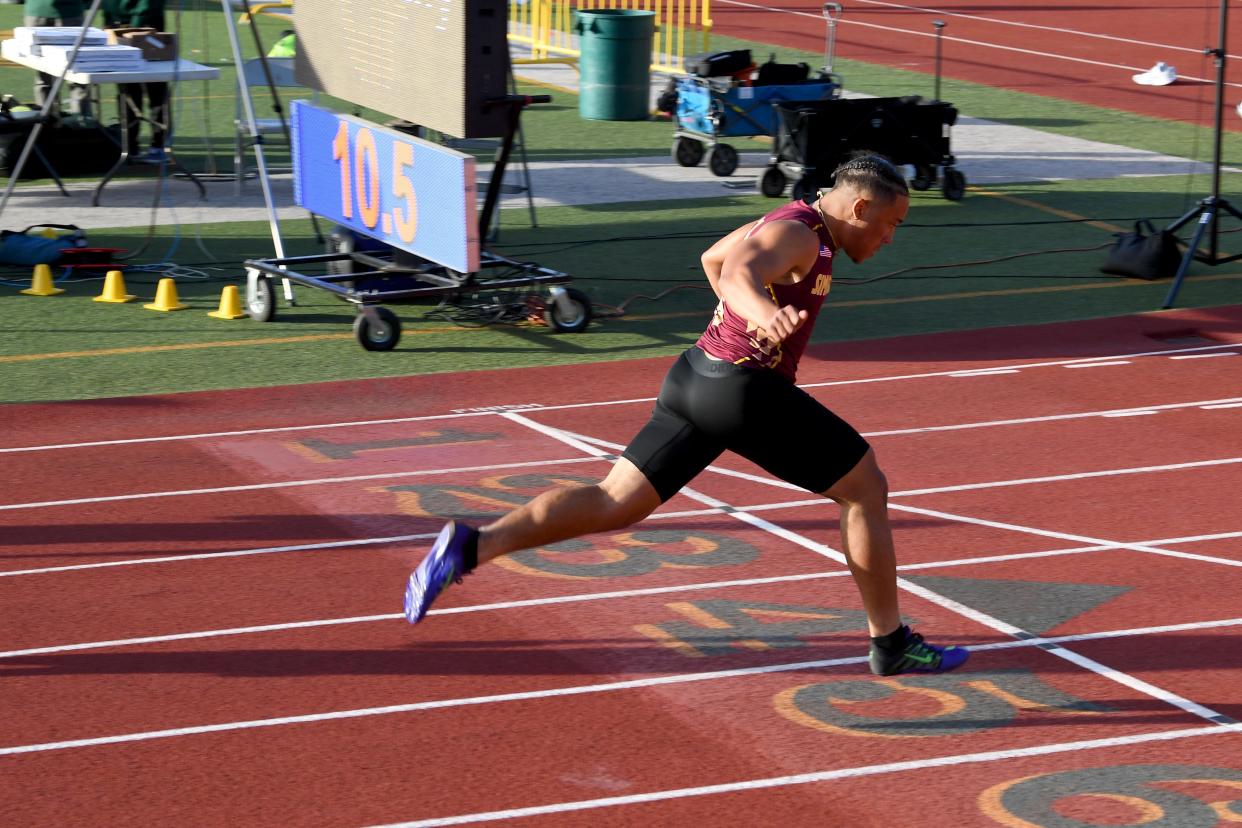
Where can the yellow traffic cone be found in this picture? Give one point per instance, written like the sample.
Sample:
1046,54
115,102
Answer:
166,297
41,283
230,304
114,289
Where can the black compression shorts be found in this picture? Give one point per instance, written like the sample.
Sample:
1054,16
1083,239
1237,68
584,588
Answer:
706,406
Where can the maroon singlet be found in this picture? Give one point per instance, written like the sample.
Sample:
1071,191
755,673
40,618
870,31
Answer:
732,338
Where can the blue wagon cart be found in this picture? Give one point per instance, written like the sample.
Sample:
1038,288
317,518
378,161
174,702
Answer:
727,96
709,109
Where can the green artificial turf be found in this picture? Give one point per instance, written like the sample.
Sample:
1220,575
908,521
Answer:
641,257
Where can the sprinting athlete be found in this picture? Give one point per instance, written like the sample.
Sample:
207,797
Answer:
735,390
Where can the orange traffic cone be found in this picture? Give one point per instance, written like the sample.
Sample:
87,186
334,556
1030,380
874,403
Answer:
166,297
41,283
230,305
114,289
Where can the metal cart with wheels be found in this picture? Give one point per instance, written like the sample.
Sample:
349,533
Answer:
814,137
366,270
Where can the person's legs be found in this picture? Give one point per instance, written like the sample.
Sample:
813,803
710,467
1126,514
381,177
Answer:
662,458
159,112
131,115
867,539
79,93
42,81
623,498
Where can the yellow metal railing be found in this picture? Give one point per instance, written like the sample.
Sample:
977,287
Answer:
546,26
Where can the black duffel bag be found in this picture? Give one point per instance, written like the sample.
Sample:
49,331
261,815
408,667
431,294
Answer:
1147,253
719,64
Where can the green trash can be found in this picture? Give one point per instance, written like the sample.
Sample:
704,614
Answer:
614,73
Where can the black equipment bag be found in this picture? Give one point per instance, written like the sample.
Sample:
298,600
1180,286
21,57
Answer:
1146,253
719,64
72,149
780,74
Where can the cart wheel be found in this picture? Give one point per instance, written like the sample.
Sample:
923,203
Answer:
722,160
572,319
804,188
772,184
924,177
380,335
261,302
687,151
954,184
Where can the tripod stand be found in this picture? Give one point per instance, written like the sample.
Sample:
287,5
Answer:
1207,211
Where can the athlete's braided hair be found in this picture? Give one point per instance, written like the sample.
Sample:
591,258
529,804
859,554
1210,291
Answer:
873,174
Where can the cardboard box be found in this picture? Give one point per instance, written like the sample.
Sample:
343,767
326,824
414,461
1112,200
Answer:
154,45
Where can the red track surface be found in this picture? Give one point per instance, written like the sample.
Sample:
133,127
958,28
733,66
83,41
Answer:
1066,49
339,713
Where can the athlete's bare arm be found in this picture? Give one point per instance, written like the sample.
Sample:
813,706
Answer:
713,260
780,251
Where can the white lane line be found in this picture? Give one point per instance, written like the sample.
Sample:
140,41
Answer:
313,547
620,594
986,373
1228,402
431,472
1147,413
981,43
1163,47
286,484
1094,542
1206,356
1018,365
208,556
979,617
562,407
1100,364
1058,478
572,690
1064,536
822,776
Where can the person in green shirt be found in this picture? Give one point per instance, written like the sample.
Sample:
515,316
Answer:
142,13
58,13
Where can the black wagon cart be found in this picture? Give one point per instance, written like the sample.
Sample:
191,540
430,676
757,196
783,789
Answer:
814,137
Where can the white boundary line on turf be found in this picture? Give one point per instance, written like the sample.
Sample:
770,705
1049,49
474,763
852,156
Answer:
819,776
981,43
567,406
80,501
629,593
573,690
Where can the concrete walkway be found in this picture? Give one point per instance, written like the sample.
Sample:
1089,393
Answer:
987,152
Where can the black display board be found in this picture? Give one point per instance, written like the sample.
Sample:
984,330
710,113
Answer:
431,62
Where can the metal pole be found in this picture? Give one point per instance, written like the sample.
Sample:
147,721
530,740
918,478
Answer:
1220,54
257,138
832,11
939,24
